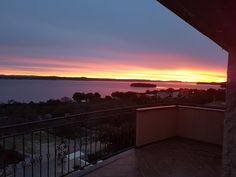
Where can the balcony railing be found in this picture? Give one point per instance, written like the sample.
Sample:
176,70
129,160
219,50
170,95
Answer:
61,146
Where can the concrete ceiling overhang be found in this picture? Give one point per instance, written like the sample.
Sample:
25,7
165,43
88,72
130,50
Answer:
214,18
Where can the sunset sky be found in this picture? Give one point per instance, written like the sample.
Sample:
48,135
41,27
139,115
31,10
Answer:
125,39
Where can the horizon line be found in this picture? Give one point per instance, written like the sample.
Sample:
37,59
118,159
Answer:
99,78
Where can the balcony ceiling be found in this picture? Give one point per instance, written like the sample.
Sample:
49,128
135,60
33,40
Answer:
214,18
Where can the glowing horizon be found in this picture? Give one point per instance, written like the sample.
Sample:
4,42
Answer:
184,75
197,78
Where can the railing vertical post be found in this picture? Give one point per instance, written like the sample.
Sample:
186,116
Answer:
55,153
32,154
14,148
80,144
68,158
75,151
23,149
40,153
4,160
48,154
62,159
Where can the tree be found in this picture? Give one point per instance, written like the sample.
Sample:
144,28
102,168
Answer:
79,96
97,95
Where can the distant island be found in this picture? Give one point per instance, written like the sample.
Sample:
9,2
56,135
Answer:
142,85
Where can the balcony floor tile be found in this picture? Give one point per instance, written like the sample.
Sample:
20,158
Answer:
177,157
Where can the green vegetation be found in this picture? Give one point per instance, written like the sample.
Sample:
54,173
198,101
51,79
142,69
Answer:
89,97
16,112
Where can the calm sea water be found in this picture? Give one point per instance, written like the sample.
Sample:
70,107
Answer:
42,90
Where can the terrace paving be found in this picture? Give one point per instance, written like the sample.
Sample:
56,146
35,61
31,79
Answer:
176,157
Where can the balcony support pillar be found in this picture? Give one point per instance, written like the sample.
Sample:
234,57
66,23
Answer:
229,148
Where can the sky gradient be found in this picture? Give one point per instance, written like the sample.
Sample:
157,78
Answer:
126,39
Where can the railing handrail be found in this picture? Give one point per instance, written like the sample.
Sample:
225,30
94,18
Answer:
76,115
67,117
156,107
181,106
202,108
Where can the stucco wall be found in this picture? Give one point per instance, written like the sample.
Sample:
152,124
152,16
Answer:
158,123
229,154
201,124
154,124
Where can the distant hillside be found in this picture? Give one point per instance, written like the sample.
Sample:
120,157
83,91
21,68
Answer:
22,77
62,78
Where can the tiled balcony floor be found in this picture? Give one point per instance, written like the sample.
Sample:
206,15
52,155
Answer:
170,158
